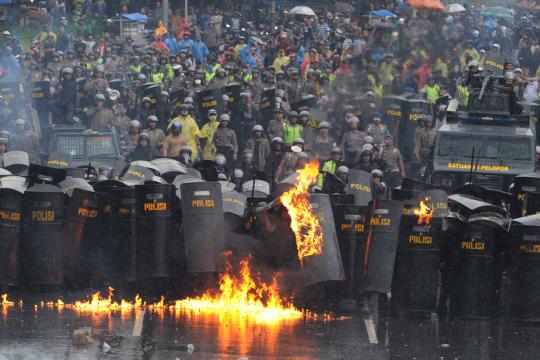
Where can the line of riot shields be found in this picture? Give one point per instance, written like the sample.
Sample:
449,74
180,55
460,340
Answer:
433,252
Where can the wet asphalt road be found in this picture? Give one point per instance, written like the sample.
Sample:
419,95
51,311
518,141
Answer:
367,333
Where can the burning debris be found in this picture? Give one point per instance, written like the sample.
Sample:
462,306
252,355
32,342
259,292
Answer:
243,297
424,211
304,222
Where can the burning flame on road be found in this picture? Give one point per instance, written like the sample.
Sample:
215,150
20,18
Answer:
244,297
304,222
5,302
100,304
424,212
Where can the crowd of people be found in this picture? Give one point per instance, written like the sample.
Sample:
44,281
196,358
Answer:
340,62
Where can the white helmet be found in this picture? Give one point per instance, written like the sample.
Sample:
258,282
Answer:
258,128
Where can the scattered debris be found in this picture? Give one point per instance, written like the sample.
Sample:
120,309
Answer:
106,347
82,336
190,348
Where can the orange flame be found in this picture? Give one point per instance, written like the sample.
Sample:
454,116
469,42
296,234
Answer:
5,302
244,297
304,222
99,304
424,212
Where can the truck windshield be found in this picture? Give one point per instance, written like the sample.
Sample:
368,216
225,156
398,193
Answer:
83,146
486,147
489,103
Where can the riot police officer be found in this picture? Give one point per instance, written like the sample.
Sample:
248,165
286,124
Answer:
392,162
425,139
330,166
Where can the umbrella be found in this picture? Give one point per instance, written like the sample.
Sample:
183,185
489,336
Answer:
302,10
498,12
383,13
455,8
427,4
343,7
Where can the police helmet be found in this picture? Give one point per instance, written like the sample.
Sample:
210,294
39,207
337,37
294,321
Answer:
304,113
224,117
368,139
152,118
258,128
277,140
222,177
302,155
135,123
186,149
342,170
99,97
298,141
144,136
336,150
377,172
427,118
324,125
221,159
238,173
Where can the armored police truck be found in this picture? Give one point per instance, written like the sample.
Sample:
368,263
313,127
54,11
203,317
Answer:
487,142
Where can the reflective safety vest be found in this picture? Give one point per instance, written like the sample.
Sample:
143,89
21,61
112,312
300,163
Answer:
432,93
377,89
291,132
462,94
157,78
136,69
328,167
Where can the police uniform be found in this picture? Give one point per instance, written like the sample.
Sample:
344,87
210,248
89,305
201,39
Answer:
225,141
424,141
377,132
156,140
352,143
391,156
275,128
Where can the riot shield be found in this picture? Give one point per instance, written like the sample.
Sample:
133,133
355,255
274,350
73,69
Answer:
153,92
209,99
256,189
233,92
392,113
268,101
526,268
494,63
10,219
352,228
523,184
79,228
136,175
359,185
304,104
42,240
208,169
414,110
479,270
177,99
169,168
416,285
234,203
156,205
382,243
327,265
123,233
234,209
202,214
17,162
41,93
59,160
147,165
70,184
10,90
